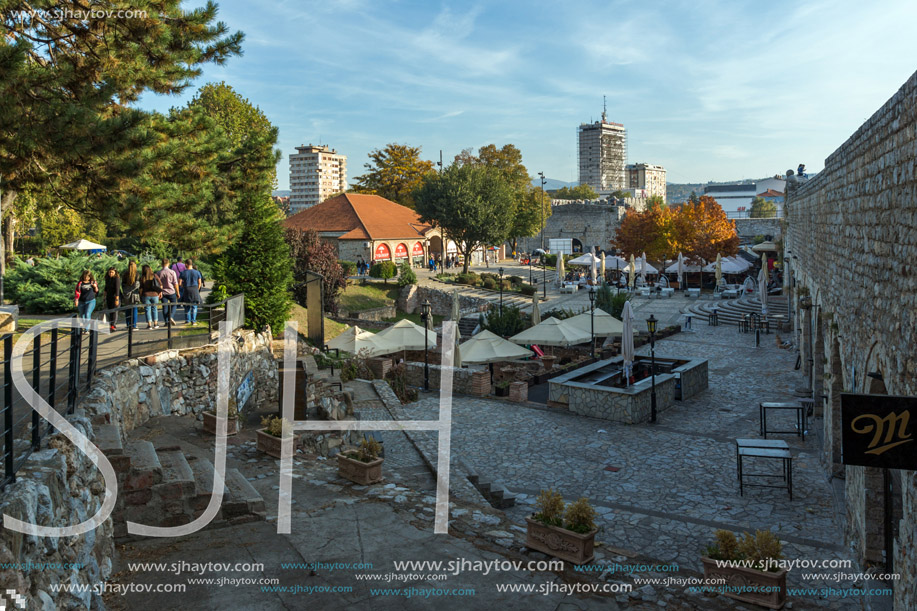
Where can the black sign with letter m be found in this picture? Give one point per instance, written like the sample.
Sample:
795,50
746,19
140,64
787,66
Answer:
879,431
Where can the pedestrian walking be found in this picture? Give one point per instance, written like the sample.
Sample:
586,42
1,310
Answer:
192,281
112,296
85,296
168,280
178,267
150,292
130,293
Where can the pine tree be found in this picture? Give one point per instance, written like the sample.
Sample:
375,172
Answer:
258,264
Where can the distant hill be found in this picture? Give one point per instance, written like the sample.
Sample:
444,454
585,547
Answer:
282,193
550,184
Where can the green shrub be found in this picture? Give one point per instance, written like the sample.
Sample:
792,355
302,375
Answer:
406,275
549,508
550,260
350,267
383,269
489,283
560,313
579,516
510,322
515,280
470,278
527,289
608,301
397,378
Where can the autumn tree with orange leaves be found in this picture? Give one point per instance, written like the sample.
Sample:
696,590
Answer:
699,230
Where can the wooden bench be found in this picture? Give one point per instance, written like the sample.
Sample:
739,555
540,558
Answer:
764,448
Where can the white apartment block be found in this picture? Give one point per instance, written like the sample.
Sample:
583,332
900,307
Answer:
602,149
648,178
316,173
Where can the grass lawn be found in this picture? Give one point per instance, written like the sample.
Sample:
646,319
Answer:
415,318
332,328
357,297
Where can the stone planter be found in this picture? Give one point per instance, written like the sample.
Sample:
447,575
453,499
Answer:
269,444
741,578
210,424
559,542
548,362
359,472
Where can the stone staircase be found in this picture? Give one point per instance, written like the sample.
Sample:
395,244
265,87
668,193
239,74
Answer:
494,493
161,486
731,311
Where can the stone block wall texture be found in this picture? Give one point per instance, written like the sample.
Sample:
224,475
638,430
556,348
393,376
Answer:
60,486
694,379
412,296
464,381
854,230
624,408
591,224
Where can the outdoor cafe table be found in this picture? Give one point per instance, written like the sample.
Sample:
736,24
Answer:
764,448
802,421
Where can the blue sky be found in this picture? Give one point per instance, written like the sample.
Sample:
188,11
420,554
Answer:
710,90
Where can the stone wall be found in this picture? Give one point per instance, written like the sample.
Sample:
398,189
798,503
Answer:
749,228
475,382
630,405
852,243
375,314
60,486
591,224
412,296
694,378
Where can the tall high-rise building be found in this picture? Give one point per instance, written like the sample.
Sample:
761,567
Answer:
316,173
648,178
602,155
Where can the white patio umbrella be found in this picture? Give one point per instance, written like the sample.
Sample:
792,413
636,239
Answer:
681,271
764,266
719,270
552,332
631,272
583,260
592,271
456,315
727,266
643,268
536,310
603,270
83,245
605,323
356,340
764,247
762,289
560,268
405,335
627,340
486,347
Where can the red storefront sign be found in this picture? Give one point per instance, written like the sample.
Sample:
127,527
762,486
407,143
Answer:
417,251
401,251
382,253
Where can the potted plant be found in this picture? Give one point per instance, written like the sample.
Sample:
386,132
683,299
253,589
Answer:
568,534
269,437
362,465
232,420
763,585
501,389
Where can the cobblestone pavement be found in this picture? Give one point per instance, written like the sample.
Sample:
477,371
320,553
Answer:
663,489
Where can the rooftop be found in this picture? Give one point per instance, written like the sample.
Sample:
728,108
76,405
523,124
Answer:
360,217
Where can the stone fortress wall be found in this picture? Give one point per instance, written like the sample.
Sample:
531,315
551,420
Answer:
851,245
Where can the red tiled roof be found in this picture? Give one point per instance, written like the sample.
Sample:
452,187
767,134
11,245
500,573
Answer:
360,217
771,193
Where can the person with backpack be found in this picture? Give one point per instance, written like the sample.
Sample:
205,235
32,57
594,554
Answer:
85,296
112,295
191,281
130,293
150,292
168,280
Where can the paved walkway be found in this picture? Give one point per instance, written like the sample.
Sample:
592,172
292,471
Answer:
662,489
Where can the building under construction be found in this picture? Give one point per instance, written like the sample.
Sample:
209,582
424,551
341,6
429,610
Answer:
602,155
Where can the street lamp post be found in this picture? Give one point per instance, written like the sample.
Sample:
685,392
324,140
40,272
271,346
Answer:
592,318
542,209
530,269
501,290
425,316
651,327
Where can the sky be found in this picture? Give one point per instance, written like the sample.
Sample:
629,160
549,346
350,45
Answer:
710,90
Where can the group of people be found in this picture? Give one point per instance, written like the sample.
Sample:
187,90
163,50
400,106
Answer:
450,262
178,282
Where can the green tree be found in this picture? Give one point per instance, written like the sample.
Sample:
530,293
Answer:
311,254
622,194
656,201
406,275
394,173
583,191
68,124
762,209
384,270
473,204
258,263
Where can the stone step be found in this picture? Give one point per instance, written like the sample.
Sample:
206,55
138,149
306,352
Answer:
177,478
145,468
108,439
243,500
203,473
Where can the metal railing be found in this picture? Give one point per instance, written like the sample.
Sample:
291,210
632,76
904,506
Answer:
61,363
